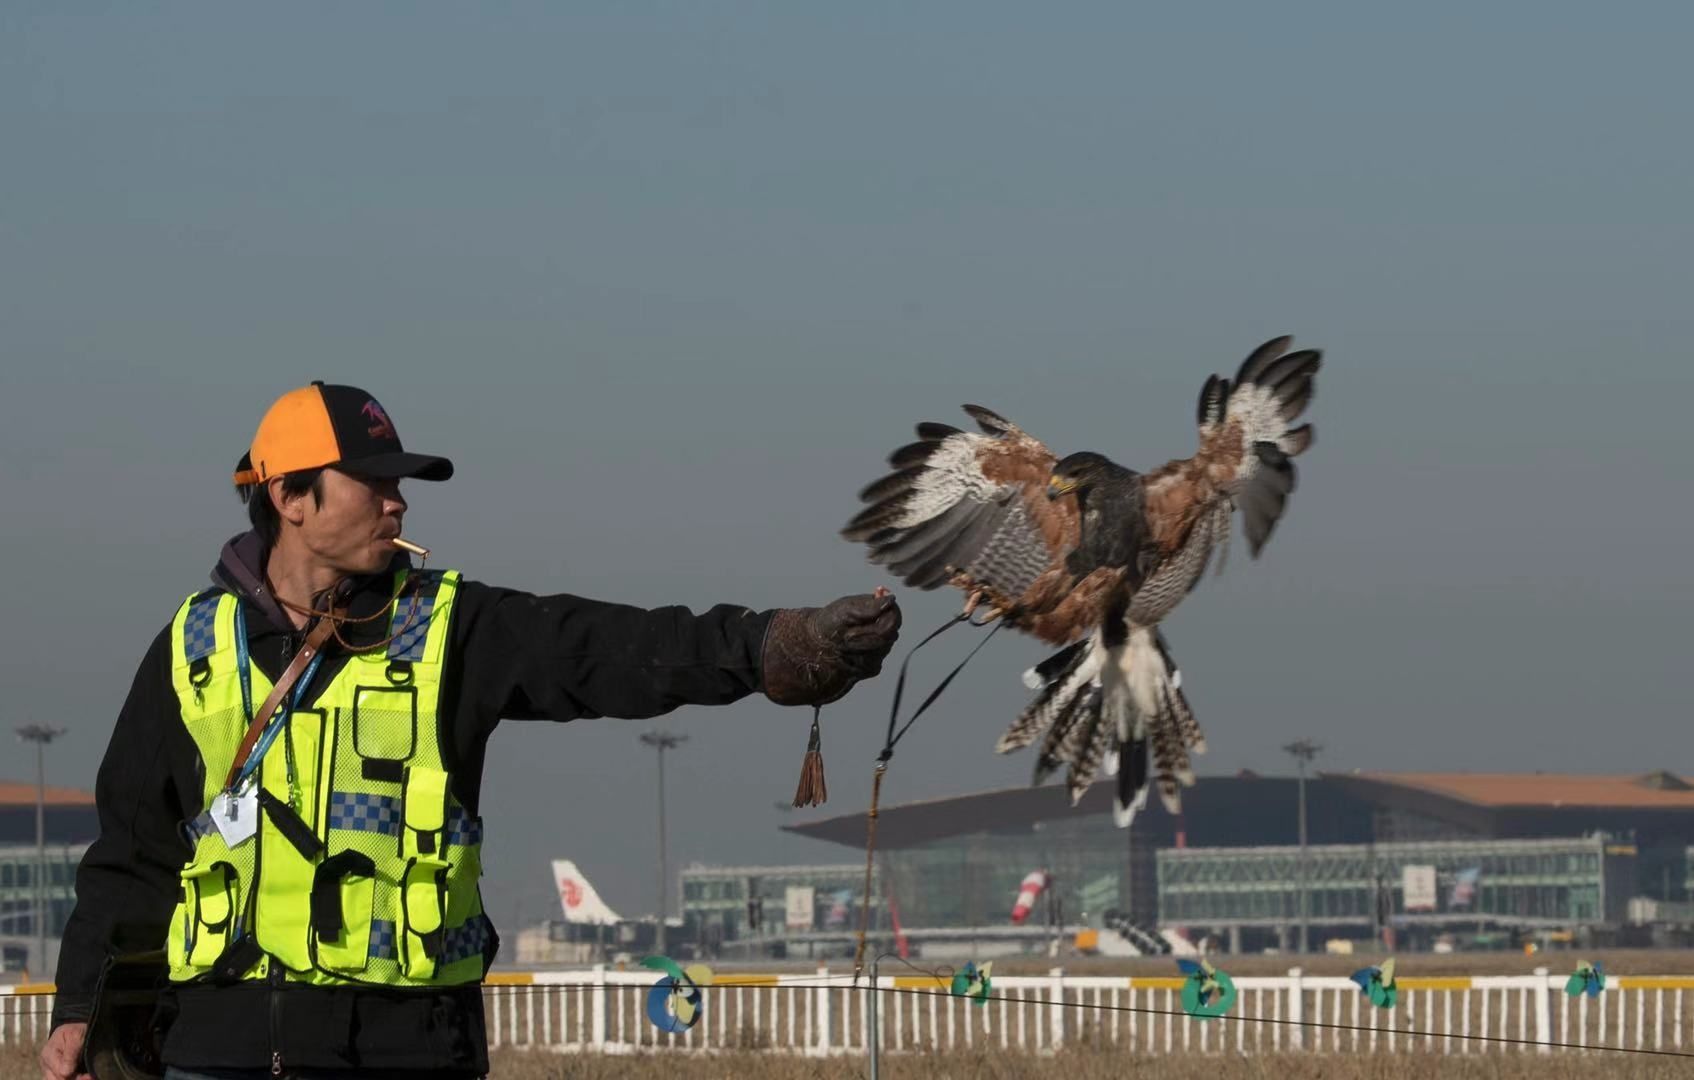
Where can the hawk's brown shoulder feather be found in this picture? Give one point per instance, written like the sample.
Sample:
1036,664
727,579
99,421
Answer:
971,511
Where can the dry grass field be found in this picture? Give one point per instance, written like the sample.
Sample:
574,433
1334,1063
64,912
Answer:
1090,1066
18,1062
1082,1062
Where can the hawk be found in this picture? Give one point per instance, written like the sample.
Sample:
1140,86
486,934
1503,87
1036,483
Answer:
1086,554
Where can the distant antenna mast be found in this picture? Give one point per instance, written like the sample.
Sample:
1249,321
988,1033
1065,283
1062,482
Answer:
1303,751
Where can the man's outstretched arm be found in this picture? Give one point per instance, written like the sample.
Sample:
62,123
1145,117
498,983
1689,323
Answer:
565,657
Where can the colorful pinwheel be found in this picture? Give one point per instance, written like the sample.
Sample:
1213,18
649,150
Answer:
675,1003
973,982
1377,983
1208,992
1589,979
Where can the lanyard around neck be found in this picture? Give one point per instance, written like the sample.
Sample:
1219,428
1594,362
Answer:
284,710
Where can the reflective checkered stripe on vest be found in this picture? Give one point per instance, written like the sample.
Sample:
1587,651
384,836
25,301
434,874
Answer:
390,898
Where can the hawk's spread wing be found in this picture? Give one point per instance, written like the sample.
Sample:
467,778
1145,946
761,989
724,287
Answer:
1245,462
1251,441
971,510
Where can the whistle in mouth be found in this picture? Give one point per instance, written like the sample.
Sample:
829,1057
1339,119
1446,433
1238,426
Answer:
406,545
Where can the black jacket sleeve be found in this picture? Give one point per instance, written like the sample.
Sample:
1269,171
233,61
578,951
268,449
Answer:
520,656
127,883
528,657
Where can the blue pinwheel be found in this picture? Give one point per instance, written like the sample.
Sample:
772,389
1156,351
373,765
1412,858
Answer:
675,1003
1377,983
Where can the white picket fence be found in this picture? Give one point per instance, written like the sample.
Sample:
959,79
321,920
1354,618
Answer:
823,1013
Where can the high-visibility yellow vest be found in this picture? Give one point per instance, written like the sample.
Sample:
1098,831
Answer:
376,883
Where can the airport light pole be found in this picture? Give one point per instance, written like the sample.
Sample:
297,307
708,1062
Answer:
41,735
661,741
1303,751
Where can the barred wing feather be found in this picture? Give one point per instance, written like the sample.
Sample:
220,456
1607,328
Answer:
970,510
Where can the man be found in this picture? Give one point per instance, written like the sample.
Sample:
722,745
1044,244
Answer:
307,855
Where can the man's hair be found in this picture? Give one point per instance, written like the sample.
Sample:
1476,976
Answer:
266,521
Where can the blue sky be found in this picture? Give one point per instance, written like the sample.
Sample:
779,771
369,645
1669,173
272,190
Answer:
667,281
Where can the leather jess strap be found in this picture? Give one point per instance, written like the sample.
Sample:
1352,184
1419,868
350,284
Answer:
290,675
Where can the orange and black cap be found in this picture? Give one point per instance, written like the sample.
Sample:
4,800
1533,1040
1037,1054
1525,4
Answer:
322,425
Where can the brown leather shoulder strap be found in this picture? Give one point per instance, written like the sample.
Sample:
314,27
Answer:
313,644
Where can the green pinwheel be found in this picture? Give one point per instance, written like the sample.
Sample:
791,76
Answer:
1208,992
1377,983
973,982
1589,979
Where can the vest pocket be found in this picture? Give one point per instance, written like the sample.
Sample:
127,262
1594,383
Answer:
423,916
423,812
350,948
385,722
182,922
209,897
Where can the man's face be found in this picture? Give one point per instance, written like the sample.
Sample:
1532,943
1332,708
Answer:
352,529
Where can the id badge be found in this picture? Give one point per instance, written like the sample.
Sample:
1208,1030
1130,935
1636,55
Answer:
236,819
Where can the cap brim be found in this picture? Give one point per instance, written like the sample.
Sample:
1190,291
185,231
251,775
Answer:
400,465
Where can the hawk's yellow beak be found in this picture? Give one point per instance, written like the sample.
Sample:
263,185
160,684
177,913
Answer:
1059,485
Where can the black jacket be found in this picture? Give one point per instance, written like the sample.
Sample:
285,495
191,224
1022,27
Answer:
511,655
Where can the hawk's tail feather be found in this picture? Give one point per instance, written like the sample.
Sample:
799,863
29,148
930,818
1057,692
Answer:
1157,729
1093,753
1171,766
1042,674
1175,702
1064,729
1130,797
1072,734
1064,676
1120,709
1078,734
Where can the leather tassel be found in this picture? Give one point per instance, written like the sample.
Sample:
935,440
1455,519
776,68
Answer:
812,790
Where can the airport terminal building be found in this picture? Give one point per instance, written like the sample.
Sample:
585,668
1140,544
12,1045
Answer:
33,881
1419,853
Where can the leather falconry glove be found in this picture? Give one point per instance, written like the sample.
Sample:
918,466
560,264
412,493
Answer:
813,656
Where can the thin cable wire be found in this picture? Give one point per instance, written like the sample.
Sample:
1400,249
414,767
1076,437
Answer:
510,991
845,985
887,755
1319,1024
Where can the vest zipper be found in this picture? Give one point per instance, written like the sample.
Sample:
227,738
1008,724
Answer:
274,975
